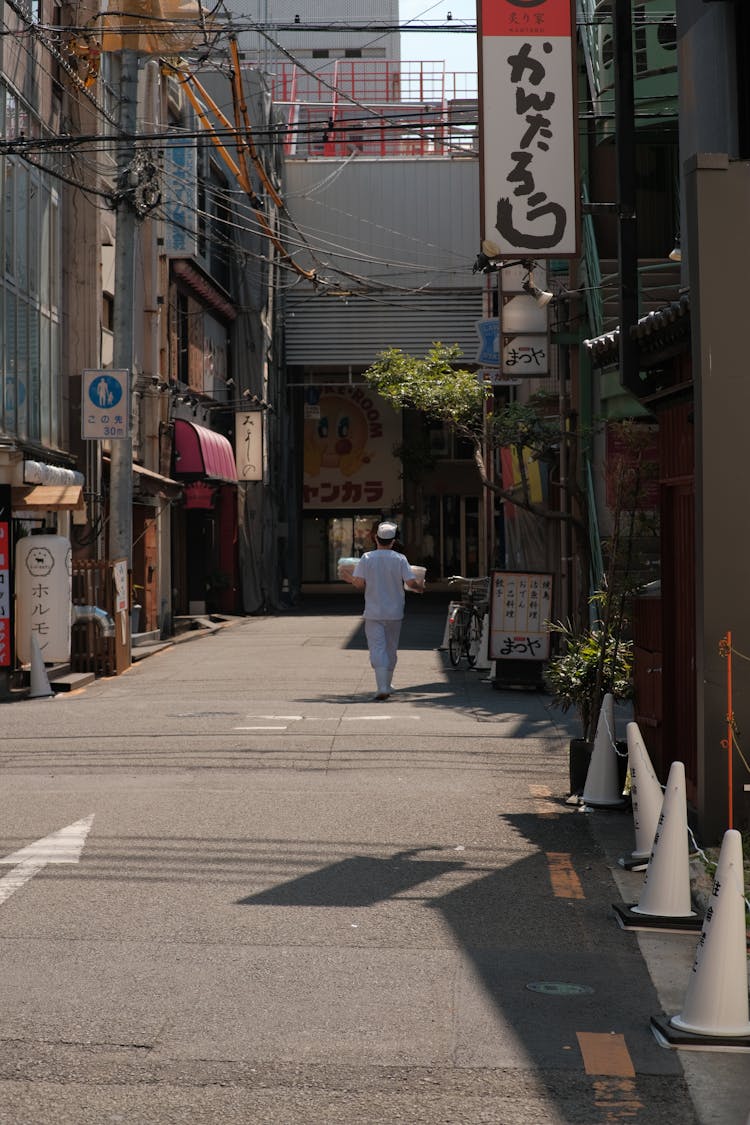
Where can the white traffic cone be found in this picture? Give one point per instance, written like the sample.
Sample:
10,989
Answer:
715,1011
40,688
442,647
483,663
665,903
602,788
647,797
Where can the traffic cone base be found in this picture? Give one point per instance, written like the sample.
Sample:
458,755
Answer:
668,1035
629,919
39,680
634,864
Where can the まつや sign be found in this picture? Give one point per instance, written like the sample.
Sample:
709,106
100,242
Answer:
528,127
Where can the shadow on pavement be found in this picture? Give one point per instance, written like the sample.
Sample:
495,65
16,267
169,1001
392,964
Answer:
554,966
358,881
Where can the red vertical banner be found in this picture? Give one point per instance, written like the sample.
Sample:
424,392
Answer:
5,579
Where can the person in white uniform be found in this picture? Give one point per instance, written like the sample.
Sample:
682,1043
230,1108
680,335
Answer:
382,574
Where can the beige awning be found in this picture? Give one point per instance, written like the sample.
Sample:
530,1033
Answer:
48,497
156,483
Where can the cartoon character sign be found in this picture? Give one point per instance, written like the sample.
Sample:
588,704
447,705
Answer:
337,438
349,438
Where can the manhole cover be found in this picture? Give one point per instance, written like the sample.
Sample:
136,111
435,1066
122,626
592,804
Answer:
558,988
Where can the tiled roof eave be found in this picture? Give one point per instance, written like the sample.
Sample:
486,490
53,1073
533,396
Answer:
654,332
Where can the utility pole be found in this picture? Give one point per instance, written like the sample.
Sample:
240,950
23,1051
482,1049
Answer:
121,468
627,242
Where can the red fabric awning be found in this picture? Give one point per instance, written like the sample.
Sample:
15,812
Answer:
202,452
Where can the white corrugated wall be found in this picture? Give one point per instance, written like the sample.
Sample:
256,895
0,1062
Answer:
401,236
322,330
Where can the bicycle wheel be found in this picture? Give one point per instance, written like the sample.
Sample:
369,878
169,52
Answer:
456,637
473,638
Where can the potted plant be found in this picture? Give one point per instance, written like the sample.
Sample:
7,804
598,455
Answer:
596,658
592,663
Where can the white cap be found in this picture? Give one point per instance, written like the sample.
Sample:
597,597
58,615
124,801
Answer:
386,530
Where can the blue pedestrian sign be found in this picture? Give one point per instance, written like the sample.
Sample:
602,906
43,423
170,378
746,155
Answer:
105,404
488,352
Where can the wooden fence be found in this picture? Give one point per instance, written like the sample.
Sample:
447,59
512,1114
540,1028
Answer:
93,584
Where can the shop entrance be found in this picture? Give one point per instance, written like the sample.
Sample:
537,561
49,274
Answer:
326,539
451,537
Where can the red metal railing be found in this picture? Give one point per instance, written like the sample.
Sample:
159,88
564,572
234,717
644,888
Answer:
377,107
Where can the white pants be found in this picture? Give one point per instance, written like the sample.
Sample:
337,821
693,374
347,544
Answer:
382,641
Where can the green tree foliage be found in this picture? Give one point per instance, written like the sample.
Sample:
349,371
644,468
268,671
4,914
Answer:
445,392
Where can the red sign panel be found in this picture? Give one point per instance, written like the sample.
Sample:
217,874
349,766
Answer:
4,594
526,17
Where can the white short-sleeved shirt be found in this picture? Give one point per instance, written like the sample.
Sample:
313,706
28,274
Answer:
384,573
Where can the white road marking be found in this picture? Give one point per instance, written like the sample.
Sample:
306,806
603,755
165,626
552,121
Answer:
367,719
260,728
64,846
290,718
16,878
328,719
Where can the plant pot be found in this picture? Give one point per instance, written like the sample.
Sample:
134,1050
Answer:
579,757
622,762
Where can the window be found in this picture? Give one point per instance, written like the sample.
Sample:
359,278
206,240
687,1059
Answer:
183,339
320,53
108,312
446,445
30,388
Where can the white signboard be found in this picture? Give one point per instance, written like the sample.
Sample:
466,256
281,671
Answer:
529,127
520,607
525,356
494,378
105,404
120,576
521,313
44,588
248,442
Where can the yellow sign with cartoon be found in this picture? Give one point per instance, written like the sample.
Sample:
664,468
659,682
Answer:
350,435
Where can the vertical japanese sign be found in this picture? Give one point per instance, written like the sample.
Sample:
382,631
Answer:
44,588
528,127
181,173
248,443
5,578
520,607
105,405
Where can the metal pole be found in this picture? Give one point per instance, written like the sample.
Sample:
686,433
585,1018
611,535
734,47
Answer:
622,46
121,469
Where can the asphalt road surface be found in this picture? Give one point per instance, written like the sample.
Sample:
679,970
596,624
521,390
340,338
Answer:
234,889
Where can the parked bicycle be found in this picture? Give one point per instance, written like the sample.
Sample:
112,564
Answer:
466,619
